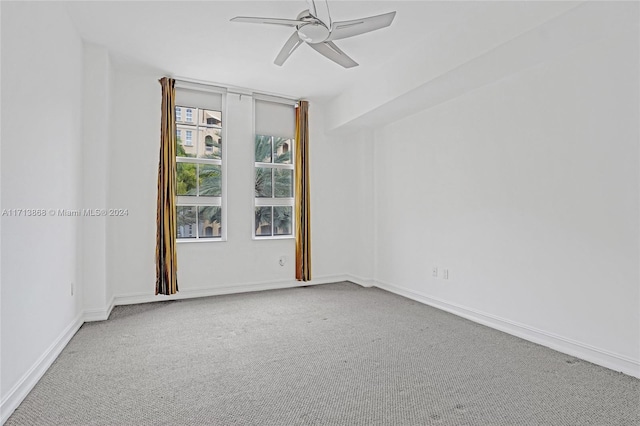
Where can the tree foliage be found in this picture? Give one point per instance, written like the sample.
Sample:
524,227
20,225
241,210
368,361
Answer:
199,179
270,182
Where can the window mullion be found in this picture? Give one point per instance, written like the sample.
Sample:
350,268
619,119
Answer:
204,212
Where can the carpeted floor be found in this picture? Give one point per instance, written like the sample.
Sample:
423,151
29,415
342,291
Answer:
334,354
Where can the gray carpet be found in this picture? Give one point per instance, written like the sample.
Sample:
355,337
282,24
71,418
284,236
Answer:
334,354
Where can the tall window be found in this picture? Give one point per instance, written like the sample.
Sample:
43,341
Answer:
274,168
200,168
178,114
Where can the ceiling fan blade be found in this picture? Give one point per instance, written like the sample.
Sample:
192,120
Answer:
273,21
344,29
288,48
331,51
320,10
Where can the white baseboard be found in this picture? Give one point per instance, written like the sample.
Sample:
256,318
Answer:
130,299
364,282
98,314
562,344
22,388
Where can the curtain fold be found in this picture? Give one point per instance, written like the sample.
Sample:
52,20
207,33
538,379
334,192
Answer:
302,202
166,259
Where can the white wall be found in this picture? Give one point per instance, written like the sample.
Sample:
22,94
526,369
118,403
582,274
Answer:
95,168
527,190
240,262
41,169
342,201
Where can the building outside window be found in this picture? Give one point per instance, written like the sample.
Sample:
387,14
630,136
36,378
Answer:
199,168
274,170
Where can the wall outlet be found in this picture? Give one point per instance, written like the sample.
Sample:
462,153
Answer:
283,260
445,274
434,272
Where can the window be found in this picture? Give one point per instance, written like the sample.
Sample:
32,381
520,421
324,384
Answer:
178,114
274,170
200,170
208,143
179,135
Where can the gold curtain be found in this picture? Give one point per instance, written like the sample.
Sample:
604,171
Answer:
166,259
303,209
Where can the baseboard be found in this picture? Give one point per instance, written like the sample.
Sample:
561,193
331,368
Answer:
130,299
562,344
98,314
22,388
364,282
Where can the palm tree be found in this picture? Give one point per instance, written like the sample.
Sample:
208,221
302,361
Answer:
198,179
282,220
262,218
264,153
210,180
273,182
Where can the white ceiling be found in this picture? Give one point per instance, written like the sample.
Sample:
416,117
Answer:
195,40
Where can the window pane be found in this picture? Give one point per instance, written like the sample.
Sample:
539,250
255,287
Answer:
264,183
186,178
181,149
284,183
263,221
209,143
210,134
263,149
209,220
282,220
186,221
210,180
282,150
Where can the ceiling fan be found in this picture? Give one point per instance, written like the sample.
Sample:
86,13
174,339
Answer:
314,27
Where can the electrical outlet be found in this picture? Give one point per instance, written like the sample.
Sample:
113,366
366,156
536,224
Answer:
445,274
434,272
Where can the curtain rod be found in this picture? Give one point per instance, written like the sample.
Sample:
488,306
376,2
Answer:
237,90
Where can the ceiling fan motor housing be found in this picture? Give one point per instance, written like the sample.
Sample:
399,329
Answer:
315,31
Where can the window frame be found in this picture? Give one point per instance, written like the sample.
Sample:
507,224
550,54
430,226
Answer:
197,200
273,201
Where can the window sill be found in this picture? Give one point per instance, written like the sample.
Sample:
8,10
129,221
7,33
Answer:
275,237
200,240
